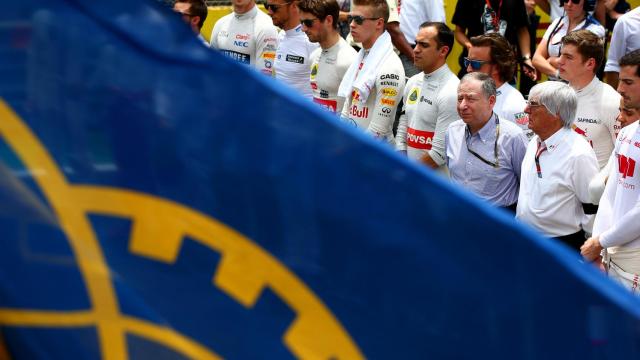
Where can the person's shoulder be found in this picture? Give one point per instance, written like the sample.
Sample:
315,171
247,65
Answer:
392,64
315,55
263,21
457,125
345,50
628,131
225,20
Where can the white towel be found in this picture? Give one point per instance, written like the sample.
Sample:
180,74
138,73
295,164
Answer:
367,75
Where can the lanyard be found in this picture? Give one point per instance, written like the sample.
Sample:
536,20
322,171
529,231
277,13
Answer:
537,158
494,164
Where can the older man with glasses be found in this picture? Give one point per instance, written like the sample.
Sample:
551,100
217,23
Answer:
492,54
557,168
247,35
484,152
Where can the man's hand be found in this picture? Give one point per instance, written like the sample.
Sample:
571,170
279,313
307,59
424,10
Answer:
591,248
529,70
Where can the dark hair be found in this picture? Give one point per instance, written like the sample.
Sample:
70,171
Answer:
321,9
198,8
588,5
445,35
589,45
631,59
380,8
502,53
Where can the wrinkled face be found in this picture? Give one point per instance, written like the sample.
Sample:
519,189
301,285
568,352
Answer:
473,105
315,32
426,53
541,121
366,32
627,115
572,65
629,86
280,11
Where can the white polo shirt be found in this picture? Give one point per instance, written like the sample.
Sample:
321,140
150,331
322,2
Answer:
328,67
552,203
625,38
617,221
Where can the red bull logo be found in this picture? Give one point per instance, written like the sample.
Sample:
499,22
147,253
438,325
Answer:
362,113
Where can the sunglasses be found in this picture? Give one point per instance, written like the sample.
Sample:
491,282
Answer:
275,7
358,19
475,64
562,2
184,13
307,22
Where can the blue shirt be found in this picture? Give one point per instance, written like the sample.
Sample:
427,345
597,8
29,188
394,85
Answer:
498,185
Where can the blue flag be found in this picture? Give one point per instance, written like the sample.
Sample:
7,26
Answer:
160,201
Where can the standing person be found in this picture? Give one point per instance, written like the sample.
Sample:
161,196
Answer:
247,35
491,54
506,17
557,167
194,13
330,62
625,39
413,13
373,84
576,17
429,98
627,116
485,152
293,57
616,228
581,56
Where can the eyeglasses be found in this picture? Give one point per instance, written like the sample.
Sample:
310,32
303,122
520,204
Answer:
562,2
275,7
359,19
475,64
307,22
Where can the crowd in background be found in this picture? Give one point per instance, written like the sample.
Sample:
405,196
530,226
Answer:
563,161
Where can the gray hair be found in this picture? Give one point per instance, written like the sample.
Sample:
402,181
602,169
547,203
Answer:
488,85
559,98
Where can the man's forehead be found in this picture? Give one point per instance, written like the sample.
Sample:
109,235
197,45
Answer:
469,87
362,10
629,72
181,6
480,52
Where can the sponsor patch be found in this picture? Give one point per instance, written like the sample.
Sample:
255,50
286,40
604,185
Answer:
314,71
389,92
419,139
385,101
522,118
295,59
359,113
240,57
327,104
269,55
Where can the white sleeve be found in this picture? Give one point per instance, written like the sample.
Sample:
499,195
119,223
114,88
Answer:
552,26
604,217
598,183
401,132
616,47
266,45
447,113
585,167
626,229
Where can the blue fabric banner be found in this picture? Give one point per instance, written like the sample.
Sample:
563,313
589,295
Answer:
159,201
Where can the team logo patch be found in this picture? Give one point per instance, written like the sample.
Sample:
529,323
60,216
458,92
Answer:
295,59
413,97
